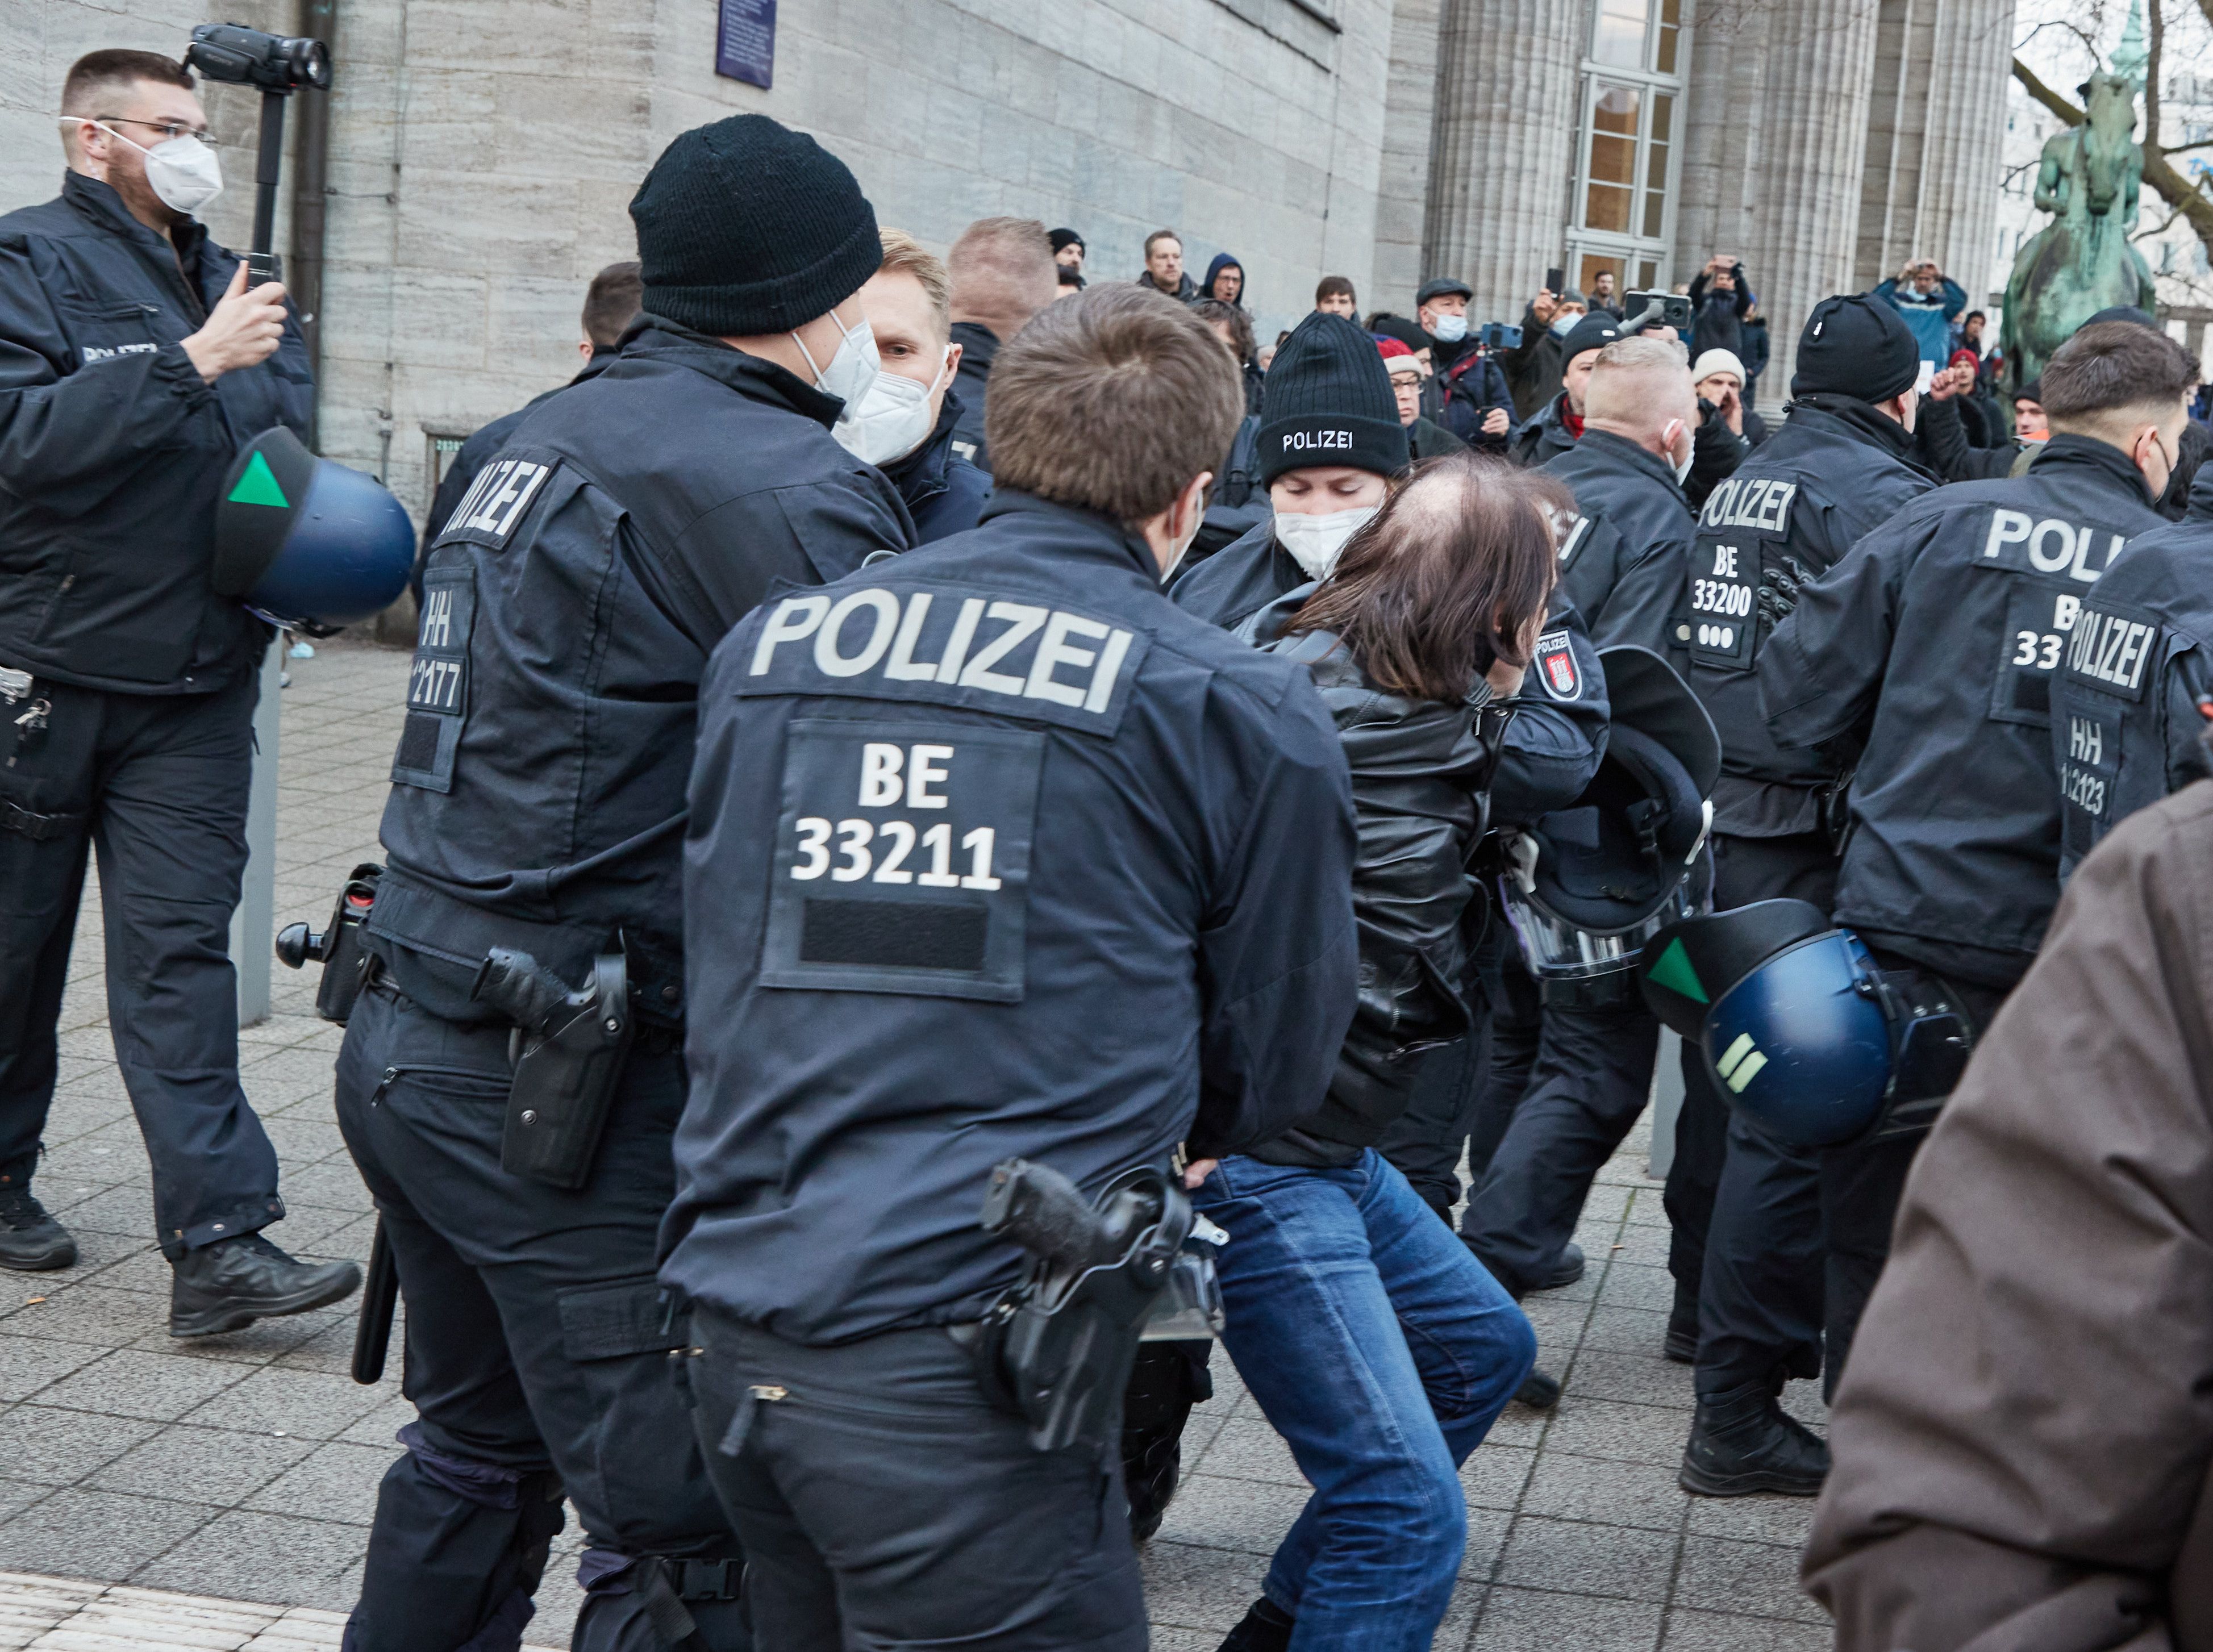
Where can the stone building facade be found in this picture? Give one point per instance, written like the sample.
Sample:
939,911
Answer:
481,152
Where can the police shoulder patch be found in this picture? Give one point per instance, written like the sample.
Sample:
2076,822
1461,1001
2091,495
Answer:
1554,663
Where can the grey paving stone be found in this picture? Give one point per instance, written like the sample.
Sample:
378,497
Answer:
1629,1286
1494,1475
337,1483
1602,1428
1215,1512
1249,1449
1577,1558
1642,1246
50,1447
1714,1631
241,1555
1637,1378
1192,1587
96,1534
217,1466
1626,1330
126,1208
1785,1521
306,1404
1745,1576
392,1413
1597,1489
160,1388
1529,1620
92,1313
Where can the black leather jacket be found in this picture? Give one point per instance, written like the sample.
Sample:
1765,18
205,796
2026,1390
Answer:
1418,769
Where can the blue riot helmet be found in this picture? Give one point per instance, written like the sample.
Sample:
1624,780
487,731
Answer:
1586,886
1801,1031
307,543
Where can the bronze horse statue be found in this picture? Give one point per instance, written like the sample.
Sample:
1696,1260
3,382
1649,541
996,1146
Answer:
2082,262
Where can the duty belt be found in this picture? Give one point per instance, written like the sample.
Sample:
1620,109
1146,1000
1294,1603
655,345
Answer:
39,828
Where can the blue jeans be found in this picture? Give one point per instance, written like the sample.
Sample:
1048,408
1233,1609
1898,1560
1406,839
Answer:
1383,1352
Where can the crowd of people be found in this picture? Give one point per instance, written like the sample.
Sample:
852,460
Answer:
937,799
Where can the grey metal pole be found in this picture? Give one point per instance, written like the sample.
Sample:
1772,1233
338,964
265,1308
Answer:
1667,1103
254,925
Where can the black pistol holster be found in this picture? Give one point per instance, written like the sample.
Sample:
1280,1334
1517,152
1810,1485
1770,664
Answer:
567,1049
338,947
1057,1350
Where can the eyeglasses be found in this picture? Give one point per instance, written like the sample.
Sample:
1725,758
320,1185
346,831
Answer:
1406,381
170,130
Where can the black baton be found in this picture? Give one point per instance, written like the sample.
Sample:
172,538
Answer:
379,1296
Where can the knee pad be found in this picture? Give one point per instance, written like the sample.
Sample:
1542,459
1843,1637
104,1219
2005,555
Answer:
661,1603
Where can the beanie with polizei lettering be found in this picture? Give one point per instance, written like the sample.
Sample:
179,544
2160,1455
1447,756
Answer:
746,227
1327,400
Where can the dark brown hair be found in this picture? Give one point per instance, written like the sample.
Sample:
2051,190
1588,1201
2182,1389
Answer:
97,74
2114,365
1112,400
1211,310
1332,287
611,304
1447,578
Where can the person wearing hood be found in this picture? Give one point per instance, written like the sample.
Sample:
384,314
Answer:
1746,1246
907,430
1558,425
1002,273
1225,280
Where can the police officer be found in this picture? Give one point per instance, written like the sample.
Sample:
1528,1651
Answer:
134,362
1935,643
1622,564
1749,1287
571,602
1558,424
2132,702
906,423
993,854
610,304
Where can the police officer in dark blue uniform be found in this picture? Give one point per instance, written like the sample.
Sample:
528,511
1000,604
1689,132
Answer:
1933,645
1747,1287
134,365
610,306
2133,704
1622,564
1558,424
571,604
993,854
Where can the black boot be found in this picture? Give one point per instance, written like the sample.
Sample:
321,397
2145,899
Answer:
1538,1392
31,1241
1742,1441
1266,1628
1565,1271
228,1285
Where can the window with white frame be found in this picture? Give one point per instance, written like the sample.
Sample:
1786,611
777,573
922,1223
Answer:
1624,218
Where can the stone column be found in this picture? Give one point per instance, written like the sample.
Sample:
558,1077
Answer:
1970,54
1503,151
1403,187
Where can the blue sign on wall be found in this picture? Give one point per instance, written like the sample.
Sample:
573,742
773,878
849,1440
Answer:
744,41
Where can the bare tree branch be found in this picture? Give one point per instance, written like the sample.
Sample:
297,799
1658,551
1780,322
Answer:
2050,99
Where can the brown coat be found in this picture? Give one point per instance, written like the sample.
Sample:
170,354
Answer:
2023,1436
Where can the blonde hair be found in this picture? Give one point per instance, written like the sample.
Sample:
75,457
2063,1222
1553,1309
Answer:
904,255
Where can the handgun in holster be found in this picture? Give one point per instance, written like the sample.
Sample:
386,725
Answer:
1057,1350
567,1050
337,949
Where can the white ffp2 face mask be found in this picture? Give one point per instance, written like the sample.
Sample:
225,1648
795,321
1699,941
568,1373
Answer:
1316,542
184,173
852,369
889,419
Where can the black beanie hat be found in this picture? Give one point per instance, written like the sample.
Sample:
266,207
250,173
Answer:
1854,344
1594,332
1327,400
746,227
1061,240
